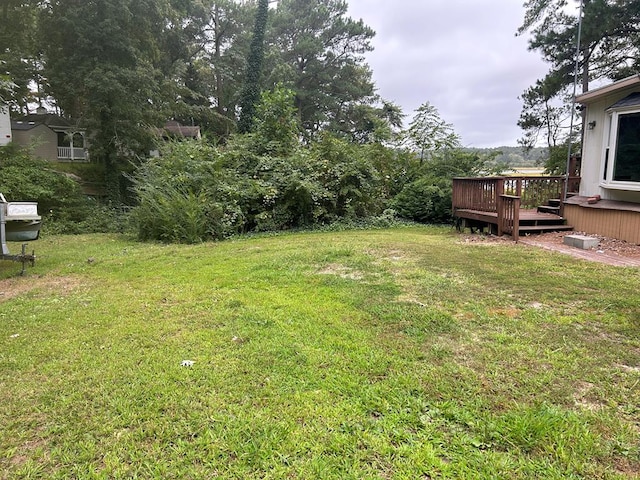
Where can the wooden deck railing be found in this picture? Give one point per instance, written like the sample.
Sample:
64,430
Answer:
509,216
72,153
534,191
505,196
479,194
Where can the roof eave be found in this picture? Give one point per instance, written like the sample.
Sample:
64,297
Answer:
592,95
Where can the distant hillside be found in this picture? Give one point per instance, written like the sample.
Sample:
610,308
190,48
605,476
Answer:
516,156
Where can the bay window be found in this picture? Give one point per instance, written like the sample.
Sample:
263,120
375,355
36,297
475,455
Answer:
621,165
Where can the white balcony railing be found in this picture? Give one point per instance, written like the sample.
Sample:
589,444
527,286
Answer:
72,153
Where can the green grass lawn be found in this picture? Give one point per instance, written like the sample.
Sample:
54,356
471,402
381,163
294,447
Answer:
383,354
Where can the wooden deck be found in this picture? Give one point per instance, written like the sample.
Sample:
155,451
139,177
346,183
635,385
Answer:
530,220
528,207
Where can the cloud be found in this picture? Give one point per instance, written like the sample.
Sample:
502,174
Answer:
463,57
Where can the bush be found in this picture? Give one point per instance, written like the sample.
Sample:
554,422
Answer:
172,214
196,192
187,196
27,179
425,200
91,218
61,203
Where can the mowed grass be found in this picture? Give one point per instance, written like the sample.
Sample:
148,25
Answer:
384,354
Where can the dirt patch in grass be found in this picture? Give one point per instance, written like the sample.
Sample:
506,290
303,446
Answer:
23,453
629,369
14,287
609,251
627,468
581,397
508,312
341,271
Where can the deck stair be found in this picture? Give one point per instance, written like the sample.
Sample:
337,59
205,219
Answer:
533,221
552,206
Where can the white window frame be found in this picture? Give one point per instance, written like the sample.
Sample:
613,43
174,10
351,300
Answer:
610,145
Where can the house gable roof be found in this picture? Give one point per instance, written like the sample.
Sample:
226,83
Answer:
54,122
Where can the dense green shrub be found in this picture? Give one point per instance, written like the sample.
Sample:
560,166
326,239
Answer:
92,217
61,203
556,164
185,196
255,183
265,181
173,214
426,195
196,191
26,178
425,200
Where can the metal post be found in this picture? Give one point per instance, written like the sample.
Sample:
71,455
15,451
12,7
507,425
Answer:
565,188
3,224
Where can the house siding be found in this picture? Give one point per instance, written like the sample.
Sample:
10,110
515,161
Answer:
620,224
616,213
42,141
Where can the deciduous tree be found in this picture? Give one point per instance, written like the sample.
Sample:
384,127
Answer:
429,133
101,61
20,55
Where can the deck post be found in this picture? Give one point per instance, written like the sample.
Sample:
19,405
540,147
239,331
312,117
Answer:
500,205
516,220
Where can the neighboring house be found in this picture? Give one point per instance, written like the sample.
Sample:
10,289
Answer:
173,130
5,125
50,137
608,202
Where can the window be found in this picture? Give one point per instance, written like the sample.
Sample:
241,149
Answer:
621,162
626,167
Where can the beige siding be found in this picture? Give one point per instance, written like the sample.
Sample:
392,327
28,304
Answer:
624,225
41,139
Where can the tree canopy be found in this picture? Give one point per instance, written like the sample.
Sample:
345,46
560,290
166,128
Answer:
318,51
120,67
609,50
429,133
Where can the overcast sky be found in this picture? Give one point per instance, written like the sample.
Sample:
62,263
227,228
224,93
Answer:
462,56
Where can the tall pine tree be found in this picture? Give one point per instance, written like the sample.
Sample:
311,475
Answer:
609,50
318,51
251,91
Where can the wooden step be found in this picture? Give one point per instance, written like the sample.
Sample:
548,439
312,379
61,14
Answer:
549,209
544,228
542,221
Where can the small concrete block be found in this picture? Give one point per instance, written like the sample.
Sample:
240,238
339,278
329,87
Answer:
581,241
